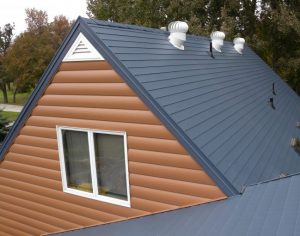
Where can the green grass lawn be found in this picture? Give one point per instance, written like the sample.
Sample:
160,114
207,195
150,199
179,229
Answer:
21,98
11,116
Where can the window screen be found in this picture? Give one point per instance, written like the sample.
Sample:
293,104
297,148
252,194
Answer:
110,165
77,160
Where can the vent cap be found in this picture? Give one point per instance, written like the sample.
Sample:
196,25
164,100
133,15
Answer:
239,44
217,39
177,35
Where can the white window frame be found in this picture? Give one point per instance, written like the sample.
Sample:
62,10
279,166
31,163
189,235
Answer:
94,195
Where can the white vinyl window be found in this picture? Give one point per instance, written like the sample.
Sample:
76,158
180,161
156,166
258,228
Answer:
94,164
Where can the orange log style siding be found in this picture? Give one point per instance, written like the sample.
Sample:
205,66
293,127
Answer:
91,95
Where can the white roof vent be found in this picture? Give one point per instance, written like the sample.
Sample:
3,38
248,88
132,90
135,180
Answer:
217,38
82,50
178,31
239,44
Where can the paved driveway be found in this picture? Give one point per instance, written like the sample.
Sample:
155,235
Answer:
13,108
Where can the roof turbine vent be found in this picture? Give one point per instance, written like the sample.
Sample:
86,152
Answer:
239,44
217,38
177,35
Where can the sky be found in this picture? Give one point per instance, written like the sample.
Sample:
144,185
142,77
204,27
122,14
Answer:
14,10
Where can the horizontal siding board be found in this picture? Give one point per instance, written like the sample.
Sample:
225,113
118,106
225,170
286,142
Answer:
114,210
84,65
34,151
117,115
112,102
5,234
10,231
101,206
140,130
87,76
30,178
12,223
29,169
33,226
103,89
37,142
175,199
162,158
35,219
86,214
34,161
39,132
75,200
188,175
153,144
34,203
198,190
25,206
151,206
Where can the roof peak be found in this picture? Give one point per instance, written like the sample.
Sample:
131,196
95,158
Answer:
138,27
121,25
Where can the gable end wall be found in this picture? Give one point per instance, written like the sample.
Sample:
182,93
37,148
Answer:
162,175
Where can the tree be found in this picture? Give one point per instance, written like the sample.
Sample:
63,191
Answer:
37,21
278,39
6,34
32,50
4,127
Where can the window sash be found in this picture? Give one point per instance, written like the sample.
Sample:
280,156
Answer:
77,160
94,194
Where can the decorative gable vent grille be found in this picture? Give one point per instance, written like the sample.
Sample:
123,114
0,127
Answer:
82,50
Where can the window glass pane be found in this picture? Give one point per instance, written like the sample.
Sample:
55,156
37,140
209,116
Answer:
77,161
110,165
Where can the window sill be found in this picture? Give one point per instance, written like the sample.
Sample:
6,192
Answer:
98,197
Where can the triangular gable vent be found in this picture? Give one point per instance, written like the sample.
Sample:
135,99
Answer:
82,50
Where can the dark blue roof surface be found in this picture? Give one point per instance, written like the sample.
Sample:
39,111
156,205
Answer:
267,209
220,105
217,108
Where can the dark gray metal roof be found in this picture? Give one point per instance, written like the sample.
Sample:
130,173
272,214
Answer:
217,108
220,105
267,209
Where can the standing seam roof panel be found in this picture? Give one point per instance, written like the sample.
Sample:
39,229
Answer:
151,59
